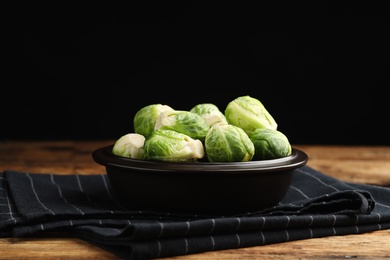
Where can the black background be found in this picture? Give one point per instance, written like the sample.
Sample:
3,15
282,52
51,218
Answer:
320,68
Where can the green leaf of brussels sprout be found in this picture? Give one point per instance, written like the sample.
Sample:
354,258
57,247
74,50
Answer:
228,143
169,145
130,145
184,122
209,112
249,114
145,119
270,144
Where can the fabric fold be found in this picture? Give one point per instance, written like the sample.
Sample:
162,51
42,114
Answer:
85,206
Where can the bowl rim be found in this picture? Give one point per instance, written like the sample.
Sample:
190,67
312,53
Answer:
105,157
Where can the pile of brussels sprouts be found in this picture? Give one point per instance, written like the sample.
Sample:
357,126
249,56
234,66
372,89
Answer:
246,131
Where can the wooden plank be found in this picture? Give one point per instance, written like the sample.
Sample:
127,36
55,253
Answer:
361,164
374,245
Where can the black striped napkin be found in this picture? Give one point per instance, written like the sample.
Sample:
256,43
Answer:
316,205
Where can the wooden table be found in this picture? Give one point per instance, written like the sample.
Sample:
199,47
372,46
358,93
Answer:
360,164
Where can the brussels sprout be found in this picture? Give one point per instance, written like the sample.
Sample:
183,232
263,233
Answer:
228,143
145,118
169,145
270,144
184,122
209,112
130,145
249,114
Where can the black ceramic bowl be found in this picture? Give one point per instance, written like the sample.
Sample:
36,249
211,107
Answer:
200,187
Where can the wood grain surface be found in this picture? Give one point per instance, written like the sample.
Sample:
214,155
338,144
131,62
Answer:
359,164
